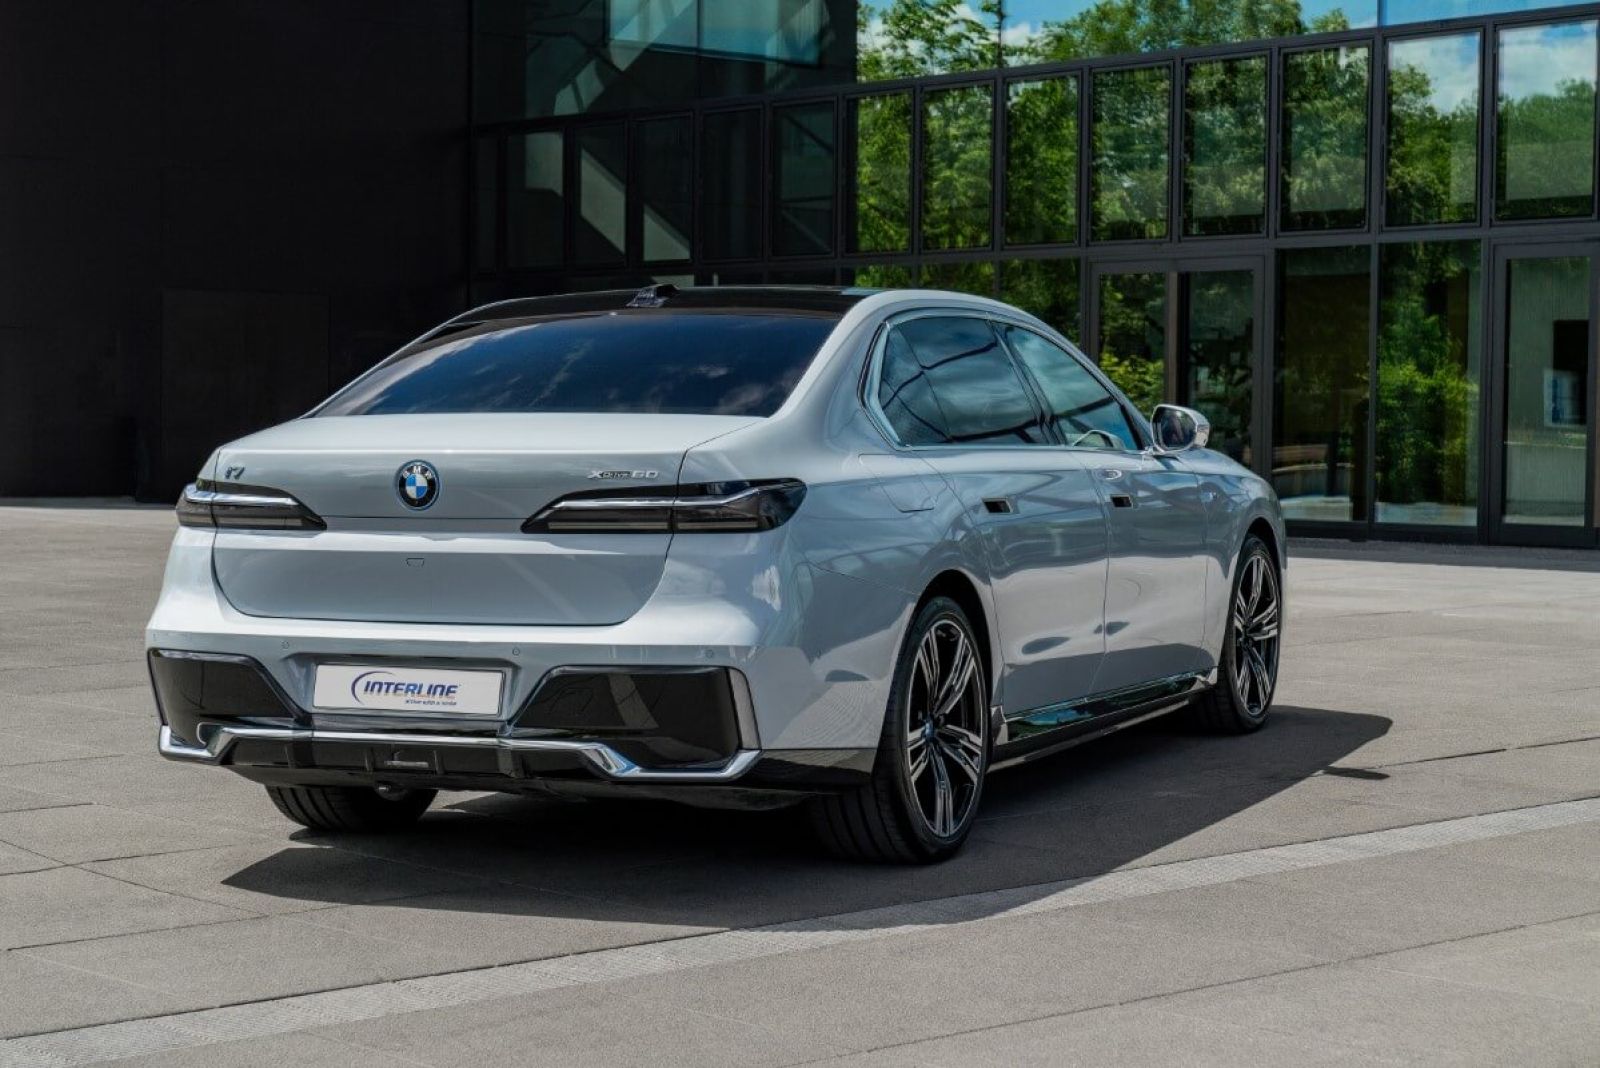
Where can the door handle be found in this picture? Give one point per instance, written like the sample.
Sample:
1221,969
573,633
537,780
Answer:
1121,500
998,505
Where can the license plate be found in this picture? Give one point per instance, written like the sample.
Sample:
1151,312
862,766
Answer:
366,687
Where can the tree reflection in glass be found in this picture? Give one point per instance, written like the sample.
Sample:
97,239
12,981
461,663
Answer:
1545,149
1133,335
1128,171
1225,147
1042,161
1324,179
956,178
1432,172
880,201
1429,369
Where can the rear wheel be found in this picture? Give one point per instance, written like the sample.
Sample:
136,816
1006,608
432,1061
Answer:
1248,673
928,777
356,809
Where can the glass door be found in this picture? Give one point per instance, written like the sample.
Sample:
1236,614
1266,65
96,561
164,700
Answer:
1545,299
1185,332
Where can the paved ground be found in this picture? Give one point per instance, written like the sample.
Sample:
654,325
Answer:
1404,867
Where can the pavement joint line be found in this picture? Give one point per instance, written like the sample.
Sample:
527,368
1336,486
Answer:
1221,984
171,1032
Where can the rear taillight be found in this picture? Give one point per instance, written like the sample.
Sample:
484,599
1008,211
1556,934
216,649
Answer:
727,507
233,506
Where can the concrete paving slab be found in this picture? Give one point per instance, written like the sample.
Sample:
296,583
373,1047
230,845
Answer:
1132,1034
69,904
77,833
1390,1014
270,876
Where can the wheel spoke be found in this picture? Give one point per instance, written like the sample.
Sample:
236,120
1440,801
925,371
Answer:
927,664
944,801
962,666
1263,679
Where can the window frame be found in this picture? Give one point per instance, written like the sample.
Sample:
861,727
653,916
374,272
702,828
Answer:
871,378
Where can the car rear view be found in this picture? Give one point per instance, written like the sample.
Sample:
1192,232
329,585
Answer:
458,572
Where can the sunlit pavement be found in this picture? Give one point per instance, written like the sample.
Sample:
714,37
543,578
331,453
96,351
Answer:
1436,739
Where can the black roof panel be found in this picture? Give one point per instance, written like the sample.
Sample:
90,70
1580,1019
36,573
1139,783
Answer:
773,298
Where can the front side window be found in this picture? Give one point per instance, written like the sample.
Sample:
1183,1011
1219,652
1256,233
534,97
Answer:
946,380
1085,412
708,363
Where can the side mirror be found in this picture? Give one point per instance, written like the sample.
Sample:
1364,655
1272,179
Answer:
1179,429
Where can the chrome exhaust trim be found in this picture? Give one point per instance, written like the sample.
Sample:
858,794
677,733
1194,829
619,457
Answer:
601,757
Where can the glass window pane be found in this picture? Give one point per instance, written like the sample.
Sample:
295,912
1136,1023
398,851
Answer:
1429,367
1547,390
602,224
905,394
1325,139
803,180
1432,172
1128,170
972,277
1046,288
980,397
790,31
1546,121
910,39
1042,161
1319,433
880,196
724,363
1133,335
1086,414
665,187
1218,354
535,219
1225,147
730,170
957,182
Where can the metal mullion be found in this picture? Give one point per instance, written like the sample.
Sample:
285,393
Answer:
1175,118
1273,162
1377,134
999,156
914,239
1080,191
1374,319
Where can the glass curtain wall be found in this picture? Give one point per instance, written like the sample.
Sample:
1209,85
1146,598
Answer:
1373,178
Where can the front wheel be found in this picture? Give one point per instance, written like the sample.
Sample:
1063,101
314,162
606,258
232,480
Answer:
932,757
356,809
1248,674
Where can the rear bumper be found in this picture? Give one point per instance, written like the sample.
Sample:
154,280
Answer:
692,738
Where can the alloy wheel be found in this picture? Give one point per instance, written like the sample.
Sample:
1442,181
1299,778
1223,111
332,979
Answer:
1256,608
944,747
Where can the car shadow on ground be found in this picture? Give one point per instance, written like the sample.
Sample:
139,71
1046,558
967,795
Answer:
1102,806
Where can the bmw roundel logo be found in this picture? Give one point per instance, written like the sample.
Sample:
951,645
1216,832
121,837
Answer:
417,483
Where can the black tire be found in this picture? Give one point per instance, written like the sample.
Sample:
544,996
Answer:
1239,705
351,809
887,821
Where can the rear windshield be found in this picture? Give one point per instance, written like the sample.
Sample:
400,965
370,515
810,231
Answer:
705,363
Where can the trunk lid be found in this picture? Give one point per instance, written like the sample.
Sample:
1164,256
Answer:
463,558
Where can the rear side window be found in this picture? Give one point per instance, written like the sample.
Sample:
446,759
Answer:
946,379
1085,412
705,363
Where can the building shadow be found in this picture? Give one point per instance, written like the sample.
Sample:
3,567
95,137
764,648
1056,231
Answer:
1107,805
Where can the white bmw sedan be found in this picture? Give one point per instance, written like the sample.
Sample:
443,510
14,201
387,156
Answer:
750,546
